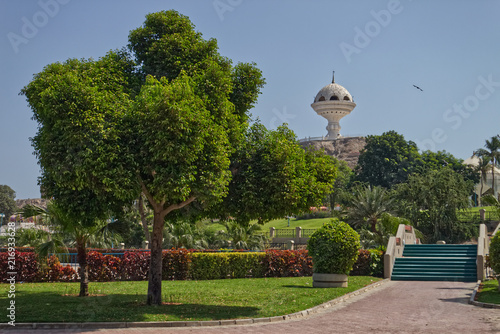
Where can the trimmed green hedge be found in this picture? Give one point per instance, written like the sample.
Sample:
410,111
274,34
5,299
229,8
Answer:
180,264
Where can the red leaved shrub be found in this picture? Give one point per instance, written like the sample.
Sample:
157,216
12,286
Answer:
287,263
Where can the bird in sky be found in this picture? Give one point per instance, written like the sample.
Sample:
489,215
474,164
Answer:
418,88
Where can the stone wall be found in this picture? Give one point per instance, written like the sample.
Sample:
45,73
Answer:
346,149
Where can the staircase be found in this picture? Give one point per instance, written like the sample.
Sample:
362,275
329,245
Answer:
436,263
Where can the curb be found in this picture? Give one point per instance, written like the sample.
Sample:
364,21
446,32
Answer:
109,325
480,304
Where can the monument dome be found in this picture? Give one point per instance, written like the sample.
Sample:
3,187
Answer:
333,102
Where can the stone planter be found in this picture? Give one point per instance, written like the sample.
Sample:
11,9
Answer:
329,280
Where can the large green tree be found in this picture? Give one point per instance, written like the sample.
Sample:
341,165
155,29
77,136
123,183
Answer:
167,126
274,177
431,200
442,159
7,201
387,160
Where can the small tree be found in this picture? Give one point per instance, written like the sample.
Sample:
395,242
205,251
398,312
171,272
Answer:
334,248
7,201
368,205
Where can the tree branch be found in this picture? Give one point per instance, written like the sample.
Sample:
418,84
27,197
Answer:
178,206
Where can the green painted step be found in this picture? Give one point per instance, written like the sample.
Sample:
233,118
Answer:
436,263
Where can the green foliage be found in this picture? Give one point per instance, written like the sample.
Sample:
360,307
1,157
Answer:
341,188
274,177
432,201
370,262
491,155
241,236
7,202
79,106
495,254
443,159
334,248
31,237
387,160
367,206
226,265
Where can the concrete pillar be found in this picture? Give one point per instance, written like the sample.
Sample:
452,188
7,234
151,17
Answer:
145,245
122,245
290,245
482,214
272,232
298,232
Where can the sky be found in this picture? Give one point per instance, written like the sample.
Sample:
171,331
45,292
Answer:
378,50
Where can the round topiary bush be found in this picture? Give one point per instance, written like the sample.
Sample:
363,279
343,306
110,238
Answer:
495,256
334,248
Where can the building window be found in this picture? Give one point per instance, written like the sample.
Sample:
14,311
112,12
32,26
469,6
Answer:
346,98
322,98
334,97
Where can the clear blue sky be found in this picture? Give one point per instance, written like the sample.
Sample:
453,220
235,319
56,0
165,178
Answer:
378,49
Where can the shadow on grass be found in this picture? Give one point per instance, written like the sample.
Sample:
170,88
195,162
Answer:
298,286
53,307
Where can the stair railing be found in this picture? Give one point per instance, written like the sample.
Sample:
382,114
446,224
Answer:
483,248
396,245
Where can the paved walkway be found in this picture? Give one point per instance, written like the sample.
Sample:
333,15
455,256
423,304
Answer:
394,307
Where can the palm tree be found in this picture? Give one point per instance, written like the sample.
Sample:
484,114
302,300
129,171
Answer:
492,155
368,205
483,167
68,232
182,235
242,236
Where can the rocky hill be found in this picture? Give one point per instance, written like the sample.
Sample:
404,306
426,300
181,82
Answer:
34,201
346,149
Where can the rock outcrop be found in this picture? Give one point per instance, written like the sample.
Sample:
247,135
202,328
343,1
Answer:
346,149
34,201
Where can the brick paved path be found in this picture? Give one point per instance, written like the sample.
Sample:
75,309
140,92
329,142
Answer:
394,307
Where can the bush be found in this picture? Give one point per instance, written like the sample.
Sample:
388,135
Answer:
334,248
24,264
287,263
135,266
175,264
103,268
494,257
314,215
55,272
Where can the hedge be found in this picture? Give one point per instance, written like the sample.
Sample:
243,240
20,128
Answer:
179,264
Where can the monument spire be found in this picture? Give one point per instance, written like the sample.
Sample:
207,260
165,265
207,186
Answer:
333,77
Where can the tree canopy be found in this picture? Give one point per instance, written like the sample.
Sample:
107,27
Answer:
7,201
169,121
274,177
432,201
387,160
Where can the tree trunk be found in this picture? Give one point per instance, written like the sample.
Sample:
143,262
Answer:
84,273
155,267
140,206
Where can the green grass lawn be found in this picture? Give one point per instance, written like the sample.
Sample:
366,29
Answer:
183,300
489,292
282,223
